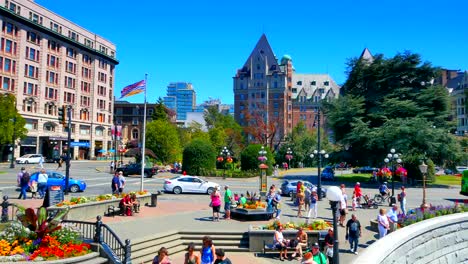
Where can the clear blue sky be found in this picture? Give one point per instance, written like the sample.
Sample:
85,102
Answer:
205,42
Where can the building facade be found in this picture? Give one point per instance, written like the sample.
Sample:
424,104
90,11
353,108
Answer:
270,94
49,62
181,97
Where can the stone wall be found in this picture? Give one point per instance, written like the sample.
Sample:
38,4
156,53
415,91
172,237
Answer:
438,240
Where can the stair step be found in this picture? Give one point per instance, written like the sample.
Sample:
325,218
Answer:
210,233
148,258
154,249
154,237
215,237
154,242
198,244
96,260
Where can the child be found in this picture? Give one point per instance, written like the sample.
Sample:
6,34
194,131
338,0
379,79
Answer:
33,188
354,202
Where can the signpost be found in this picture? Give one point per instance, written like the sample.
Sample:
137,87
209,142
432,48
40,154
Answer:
54,195
79,144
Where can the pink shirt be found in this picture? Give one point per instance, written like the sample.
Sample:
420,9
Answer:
215,199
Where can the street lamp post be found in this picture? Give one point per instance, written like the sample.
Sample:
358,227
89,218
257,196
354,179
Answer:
319,155
423,169
393,158
12,162
225,156
289,157
334,195
263,167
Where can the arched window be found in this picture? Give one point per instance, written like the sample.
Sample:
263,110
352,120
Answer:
135,133
99,131
49,127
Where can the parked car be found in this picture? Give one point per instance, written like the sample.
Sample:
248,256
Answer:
328,174
460,169
366,169
189,184
29,158
135,169
57,178
289,187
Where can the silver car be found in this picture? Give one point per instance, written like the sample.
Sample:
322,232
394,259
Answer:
289,187
189,184
29,158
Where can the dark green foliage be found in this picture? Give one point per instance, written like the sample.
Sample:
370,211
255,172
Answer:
198,157
250,162
160,111
7,120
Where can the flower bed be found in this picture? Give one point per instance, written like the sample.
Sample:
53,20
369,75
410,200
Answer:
315,225
103,197
253,205
35,238
418,214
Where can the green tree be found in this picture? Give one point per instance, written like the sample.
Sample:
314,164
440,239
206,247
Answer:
10,120
163,140
160,111
199,157
391,103
249,158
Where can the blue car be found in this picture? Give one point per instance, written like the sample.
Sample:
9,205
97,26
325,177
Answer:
328,174
56,178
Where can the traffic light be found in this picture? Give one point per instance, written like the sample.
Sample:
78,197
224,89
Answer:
62,114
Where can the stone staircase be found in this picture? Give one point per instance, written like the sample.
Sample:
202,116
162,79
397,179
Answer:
144,249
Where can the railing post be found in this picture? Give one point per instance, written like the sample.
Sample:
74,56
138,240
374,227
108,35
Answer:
127,252
5,205
97,235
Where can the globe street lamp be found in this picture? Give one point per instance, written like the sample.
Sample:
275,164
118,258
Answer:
393,158
289,157
225,155
423,169
263,167
334,194
319,155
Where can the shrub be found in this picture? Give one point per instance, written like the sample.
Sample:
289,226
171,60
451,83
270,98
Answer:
250,162
199,157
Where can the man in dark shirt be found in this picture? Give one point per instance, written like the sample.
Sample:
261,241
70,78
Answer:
220,257
353,232
328,250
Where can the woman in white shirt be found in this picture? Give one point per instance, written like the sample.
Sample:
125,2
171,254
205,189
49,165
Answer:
383,223
281,243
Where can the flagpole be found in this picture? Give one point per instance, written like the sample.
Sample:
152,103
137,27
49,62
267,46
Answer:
143,134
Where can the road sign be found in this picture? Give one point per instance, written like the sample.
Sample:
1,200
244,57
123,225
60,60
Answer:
79,144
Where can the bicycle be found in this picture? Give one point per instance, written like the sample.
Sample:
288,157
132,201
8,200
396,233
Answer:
379,199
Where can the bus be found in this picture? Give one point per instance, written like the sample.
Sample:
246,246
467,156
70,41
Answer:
464,183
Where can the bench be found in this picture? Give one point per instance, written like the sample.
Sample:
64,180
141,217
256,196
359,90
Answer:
117,210
269,248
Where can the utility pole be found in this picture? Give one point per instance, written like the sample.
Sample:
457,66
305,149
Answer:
319,185
67,164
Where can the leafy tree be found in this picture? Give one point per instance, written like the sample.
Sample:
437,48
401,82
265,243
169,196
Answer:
160,111
249,158
199,156
162,138
10,120
391,103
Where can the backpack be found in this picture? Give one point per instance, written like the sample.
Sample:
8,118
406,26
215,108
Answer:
399,197
25,178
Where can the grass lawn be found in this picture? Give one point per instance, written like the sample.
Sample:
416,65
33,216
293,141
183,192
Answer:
448,180
352,177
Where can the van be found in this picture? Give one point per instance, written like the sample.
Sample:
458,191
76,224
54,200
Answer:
464,183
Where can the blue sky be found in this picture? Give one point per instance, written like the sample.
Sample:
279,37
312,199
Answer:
205,42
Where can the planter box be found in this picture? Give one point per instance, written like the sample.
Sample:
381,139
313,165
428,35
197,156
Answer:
91,210
257,237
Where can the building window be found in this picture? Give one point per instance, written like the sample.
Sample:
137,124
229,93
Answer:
102,77
55,27
85,87
135,133
70,82
99,131
101,90
89,43
51,93
299,83
101,104
135,121
313,83
69,97
52,77
49,127
7,65
84,114
29,106
31,71
85,72
84,130
49,109
86,59
35,18
33,37
326,83
70,67
32,54
73,35
8,46
52,61
71,53
54,46
103,49
101,118
10,29
8,84
30,89
85,101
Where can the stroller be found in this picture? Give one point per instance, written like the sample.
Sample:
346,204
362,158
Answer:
369,203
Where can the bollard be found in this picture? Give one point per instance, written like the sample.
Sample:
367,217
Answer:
5,205
154,200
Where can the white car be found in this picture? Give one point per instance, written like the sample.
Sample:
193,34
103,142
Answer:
29,158
189,184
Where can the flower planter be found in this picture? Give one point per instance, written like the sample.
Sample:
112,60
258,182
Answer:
92,209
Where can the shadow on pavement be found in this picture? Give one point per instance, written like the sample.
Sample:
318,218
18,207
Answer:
205,219
460,201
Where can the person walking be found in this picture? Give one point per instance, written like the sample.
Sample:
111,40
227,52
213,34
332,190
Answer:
115,184
41,162
382,220
207,251
353,233
24,183
122,182
42,183
33,188
307,196
313,204
343,210
328,249
112,167
277,204
393,217
300,202
402,200
227,202
221,257
216,203
59,162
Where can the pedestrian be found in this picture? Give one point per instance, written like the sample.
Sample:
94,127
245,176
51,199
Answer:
33,188
162,257
112,167
382,220
115,184
353,233
41,162
300,242
307,194
221,257
42,183
328,249
207,251
402,200
300,202
216,203
308,259
343,210
60,162
313,204
277,204
354,202
24,183
122,182
393,217
19,175
318,256
191,257
227,202
280,243
358,192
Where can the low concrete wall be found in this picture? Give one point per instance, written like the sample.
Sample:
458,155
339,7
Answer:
93,209
441,239
256,237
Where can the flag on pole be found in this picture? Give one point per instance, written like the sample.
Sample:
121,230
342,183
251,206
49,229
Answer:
133,89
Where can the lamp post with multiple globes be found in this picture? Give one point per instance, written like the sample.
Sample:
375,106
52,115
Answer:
334,194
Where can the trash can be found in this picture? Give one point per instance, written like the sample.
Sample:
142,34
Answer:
154,199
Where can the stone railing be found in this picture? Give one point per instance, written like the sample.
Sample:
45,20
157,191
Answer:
91,210
442,239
